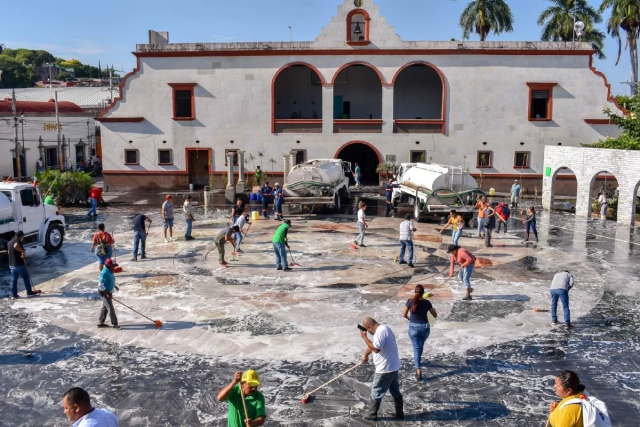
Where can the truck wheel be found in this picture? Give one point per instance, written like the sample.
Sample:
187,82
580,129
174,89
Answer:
416,211
467,220
337,203
53,238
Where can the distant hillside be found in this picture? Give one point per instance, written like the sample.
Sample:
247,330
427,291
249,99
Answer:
18,67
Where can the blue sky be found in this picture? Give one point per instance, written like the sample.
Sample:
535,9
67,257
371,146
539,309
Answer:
92,31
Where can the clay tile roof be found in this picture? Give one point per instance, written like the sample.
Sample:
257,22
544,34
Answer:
39,107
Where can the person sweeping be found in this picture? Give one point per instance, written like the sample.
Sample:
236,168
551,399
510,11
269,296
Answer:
106,285
246,402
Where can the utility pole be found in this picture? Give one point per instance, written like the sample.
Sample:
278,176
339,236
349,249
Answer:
60,154
290,33
15,125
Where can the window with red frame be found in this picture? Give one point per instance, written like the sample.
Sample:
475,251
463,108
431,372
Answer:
184,107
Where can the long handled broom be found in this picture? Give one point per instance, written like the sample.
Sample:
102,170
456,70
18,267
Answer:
244,404
307,396
158,322
117,269
293,263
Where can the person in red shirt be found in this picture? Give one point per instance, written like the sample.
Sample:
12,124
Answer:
95,194
467,263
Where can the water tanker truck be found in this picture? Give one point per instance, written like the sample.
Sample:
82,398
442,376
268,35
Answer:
433,190
320,182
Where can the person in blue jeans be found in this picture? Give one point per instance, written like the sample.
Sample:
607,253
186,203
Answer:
560,286
18,265
457,225
139,236
280,243
530,223
406,231
416,311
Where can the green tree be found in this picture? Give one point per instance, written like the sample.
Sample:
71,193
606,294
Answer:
71,63
625,16
484,16
558,19
14,74
629,138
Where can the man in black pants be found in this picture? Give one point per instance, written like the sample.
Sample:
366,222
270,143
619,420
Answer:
18,265
266,198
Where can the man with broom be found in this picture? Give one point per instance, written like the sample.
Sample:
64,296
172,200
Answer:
246,403
106,285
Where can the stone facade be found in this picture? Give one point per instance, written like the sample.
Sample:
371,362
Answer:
586,164
483,102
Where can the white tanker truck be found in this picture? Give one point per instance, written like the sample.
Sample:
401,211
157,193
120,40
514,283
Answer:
321,182
433,190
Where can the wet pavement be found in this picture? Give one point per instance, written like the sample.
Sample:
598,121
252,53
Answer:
490,362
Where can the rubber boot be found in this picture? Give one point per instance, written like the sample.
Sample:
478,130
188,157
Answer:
399,414
372,410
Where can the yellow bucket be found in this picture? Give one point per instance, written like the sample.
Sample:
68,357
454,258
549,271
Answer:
255,215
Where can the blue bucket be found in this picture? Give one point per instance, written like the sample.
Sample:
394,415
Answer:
259,197
253,197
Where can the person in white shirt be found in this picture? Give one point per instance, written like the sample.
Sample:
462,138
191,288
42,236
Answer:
406,231
362,224
387,362
76,404
241,222
604,203
187,208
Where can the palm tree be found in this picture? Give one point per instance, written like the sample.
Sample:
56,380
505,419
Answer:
484,16
558,20
625,15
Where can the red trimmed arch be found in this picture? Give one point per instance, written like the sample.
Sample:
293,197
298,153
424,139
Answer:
323,82
366,64
375,150
443,80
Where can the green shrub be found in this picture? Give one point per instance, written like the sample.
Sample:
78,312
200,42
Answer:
70,188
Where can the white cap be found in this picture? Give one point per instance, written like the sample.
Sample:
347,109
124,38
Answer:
277,184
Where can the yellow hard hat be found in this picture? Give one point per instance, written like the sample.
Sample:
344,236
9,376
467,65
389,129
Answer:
251,377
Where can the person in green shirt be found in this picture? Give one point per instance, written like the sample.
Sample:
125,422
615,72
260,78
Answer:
253,399
49,201
280,242
259,176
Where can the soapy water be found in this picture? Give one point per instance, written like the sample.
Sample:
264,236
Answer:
482,384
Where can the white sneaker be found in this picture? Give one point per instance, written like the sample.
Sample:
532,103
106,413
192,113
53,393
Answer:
172,239
166,241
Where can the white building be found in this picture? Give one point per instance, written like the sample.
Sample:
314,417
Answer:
37,132
357,92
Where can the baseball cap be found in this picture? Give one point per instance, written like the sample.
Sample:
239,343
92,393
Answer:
168,196
277,184
19,233
452,248
407,216
110,263
251,377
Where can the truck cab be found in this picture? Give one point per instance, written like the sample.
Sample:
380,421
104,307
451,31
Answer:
22,208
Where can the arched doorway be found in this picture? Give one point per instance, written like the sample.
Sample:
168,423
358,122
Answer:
604,183
366,155
565,190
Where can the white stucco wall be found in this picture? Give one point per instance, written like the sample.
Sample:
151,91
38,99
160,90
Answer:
487,99
74,128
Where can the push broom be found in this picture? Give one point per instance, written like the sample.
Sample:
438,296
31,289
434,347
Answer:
293,263
158,322
117,269
307,397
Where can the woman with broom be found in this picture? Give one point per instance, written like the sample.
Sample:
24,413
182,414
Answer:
416,311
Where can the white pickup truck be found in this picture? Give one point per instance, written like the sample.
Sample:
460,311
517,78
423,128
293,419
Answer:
21,208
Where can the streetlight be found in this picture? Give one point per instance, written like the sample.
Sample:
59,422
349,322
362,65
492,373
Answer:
24,172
